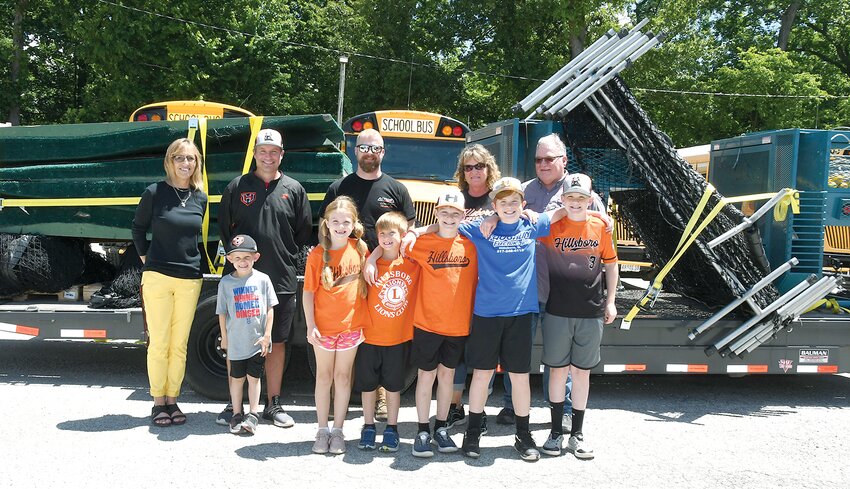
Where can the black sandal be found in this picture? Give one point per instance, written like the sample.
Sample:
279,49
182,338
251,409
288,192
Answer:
177,416
160,416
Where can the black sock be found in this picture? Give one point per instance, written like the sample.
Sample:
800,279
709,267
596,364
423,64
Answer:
371,425
452,406
439,423
474,421
392,427
426,427
578,420
522,424
557,418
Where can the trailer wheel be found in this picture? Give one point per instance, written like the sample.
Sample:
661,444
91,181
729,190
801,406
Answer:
206,367
206,362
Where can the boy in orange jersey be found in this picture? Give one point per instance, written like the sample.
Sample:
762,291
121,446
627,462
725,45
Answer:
448,268
382,359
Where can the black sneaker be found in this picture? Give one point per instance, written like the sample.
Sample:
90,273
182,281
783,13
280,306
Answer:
526,447
506,416
235,424
223,418
470,444
456,417
274,412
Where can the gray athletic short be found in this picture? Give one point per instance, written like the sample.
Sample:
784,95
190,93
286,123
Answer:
571,341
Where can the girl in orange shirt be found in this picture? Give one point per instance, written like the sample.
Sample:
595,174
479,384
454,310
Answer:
335,310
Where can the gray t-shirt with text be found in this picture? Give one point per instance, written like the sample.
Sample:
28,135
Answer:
245,303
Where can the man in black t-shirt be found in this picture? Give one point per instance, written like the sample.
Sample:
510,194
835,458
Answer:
374,192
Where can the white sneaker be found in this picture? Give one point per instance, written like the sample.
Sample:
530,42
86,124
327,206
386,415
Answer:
579,448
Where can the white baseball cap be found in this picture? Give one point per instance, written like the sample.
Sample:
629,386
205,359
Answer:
507,184
451,198
269,137
577,183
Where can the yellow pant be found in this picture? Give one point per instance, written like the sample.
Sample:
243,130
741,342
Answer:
169,307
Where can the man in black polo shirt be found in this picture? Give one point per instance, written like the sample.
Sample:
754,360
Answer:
273,209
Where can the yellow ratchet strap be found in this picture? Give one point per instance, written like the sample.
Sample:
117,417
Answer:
205,230
684,242
831,305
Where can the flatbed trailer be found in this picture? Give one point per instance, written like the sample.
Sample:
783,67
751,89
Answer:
657,342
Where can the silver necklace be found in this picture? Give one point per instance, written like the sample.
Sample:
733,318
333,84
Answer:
181,199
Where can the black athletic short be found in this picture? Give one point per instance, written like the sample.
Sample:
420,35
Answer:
432,349
284,314
381,366
500,340
251,366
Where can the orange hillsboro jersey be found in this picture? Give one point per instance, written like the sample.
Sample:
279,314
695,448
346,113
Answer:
575,251
391,302
340,309
449,274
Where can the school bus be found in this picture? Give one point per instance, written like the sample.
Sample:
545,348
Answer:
181,110
421,151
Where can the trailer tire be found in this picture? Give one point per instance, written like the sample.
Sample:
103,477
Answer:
206,366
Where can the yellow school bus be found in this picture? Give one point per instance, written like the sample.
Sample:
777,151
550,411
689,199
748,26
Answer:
181,110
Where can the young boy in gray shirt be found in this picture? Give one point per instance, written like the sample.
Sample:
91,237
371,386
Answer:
245,311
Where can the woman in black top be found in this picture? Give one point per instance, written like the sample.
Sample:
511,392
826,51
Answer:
476,173
171,212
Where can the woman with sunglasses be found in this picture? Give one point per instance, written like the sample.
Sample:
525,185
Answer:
172,211
476,173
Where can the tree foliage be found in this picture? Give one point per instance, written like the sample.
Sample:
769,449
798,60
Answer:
98,60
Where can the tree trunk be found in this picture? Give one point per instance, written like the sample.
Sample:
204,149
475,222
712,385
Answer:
577,39
17,56
786,23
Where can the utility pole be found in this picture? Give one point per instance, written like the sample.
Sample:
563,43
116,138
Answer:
343,60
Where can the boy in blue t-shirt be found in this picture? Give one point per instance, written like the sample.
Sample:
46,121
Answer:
245,308
505,299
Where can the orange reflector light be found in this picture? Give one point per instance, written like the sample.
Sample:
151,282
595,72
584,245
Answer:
827,369
447,130
368,125
156,117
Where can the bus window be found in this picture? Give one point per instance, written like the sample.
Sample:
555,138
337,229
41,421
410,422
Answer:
181,110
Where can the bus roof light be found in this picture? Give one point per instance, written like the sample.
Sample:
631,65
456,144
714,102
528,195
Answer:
457,131
447,130
368,125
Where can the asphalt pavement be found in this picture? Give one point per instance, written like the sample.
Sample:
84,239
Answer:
77,415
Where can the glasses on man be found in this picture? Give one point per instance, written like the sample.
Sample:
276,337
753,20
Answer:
366,148
546,159
182,158
477,166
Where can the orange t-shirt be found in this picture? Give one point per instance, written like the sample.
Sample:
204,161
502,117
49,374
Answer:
391,302
340,309
446,284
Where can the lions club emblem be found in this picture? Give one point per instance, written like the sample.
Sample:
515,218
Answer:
394,294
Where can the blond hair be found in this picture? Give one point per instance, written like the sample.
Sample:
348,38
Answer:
341,204
195,181
480,154
391,221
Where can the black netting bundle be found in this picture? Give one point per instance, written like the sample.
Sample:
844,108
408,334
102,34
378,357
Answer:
660,213
44,264
125,289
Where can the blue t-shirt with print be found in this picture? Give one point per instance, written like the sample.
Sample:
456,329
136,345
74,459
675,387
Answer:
507,284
